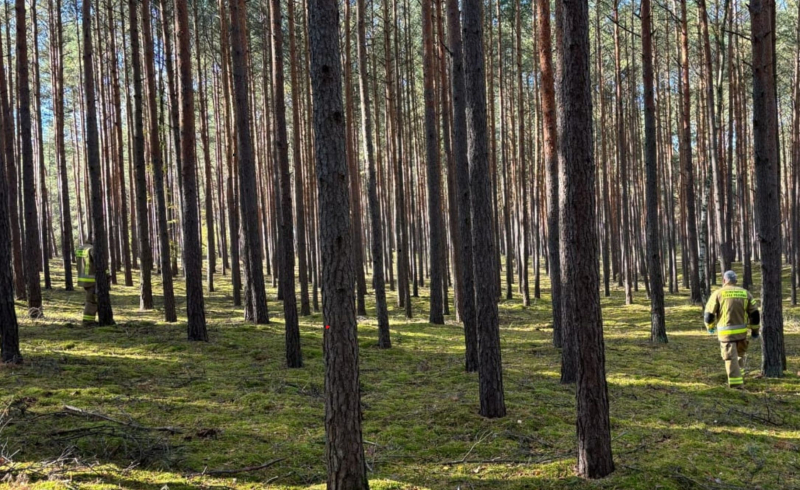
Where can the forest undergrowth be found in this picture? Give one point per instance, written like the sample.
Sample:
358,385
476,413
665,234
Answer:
137,406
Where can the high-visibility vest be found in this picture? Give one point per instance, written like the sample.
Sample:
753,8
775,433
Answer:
85,257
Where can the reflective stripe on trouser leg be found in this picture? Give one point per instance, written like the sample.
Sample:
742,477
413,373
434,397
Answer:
90,305
731,356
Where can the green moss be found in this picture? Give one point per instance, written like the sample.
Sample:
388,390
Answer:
675,425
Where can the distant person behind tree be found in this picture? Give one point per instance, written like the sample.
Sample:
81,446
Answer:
86,279
730,313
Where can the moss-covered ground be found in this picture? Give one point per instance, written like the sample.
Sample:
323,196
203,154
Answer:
232,403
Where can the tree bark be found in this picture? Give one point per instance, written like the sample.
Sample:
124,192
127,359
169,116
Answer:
192,253
57,70
294,356
347,469
9,328
104,310
767,198
248,196
434,171
32,249
688,168
299,193
490,373
467,296
11,176
550,135
579,240
156,156
658,329
378,281
139,175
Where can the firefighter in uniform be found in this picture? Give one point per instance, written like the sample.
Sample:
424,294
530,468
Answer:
732,313
86,279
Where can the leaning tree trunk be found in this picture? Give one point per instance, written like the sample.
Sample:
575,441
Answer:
490,372
104,310
347,469
767,198
247,170
165,254
579,240
192,253
139,174
658,329
32,249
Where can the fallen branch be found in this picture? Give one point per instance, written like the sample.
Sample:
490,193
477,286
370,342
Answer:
238,470
753,416
464,459
88,414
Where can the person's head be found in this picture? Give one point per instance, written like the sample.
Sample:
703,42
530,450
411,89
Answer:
729,278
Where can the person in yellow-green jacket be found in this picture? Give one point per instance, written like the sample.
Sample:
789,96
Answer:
86,279
732,313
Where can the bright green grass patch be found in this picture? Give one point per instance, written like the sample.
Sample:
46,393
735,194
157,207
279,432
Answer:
234,404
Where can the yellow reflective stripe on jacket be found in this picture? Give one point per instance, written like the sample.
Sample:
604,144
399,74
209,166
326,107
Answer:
732,329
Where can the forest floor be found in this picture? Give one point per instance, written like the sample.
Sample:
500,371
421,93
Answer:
231,403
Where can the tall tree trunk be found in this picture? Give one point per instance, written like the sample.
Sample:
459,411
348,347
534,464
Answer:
119,159
688,168
248,196
467,296
490,373
525,233
622,162
209,180
57,74
355,179
233,215
434,171
6,92
139,173
294,356
156,156
299,194
9,328
347,469
716,151
550,135
579,240
104,310
44,225
192,253
32,250
658,329
767,200
384,340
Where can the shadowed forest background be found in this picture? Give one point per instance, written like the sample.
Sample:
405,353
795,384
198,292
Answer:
396,244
